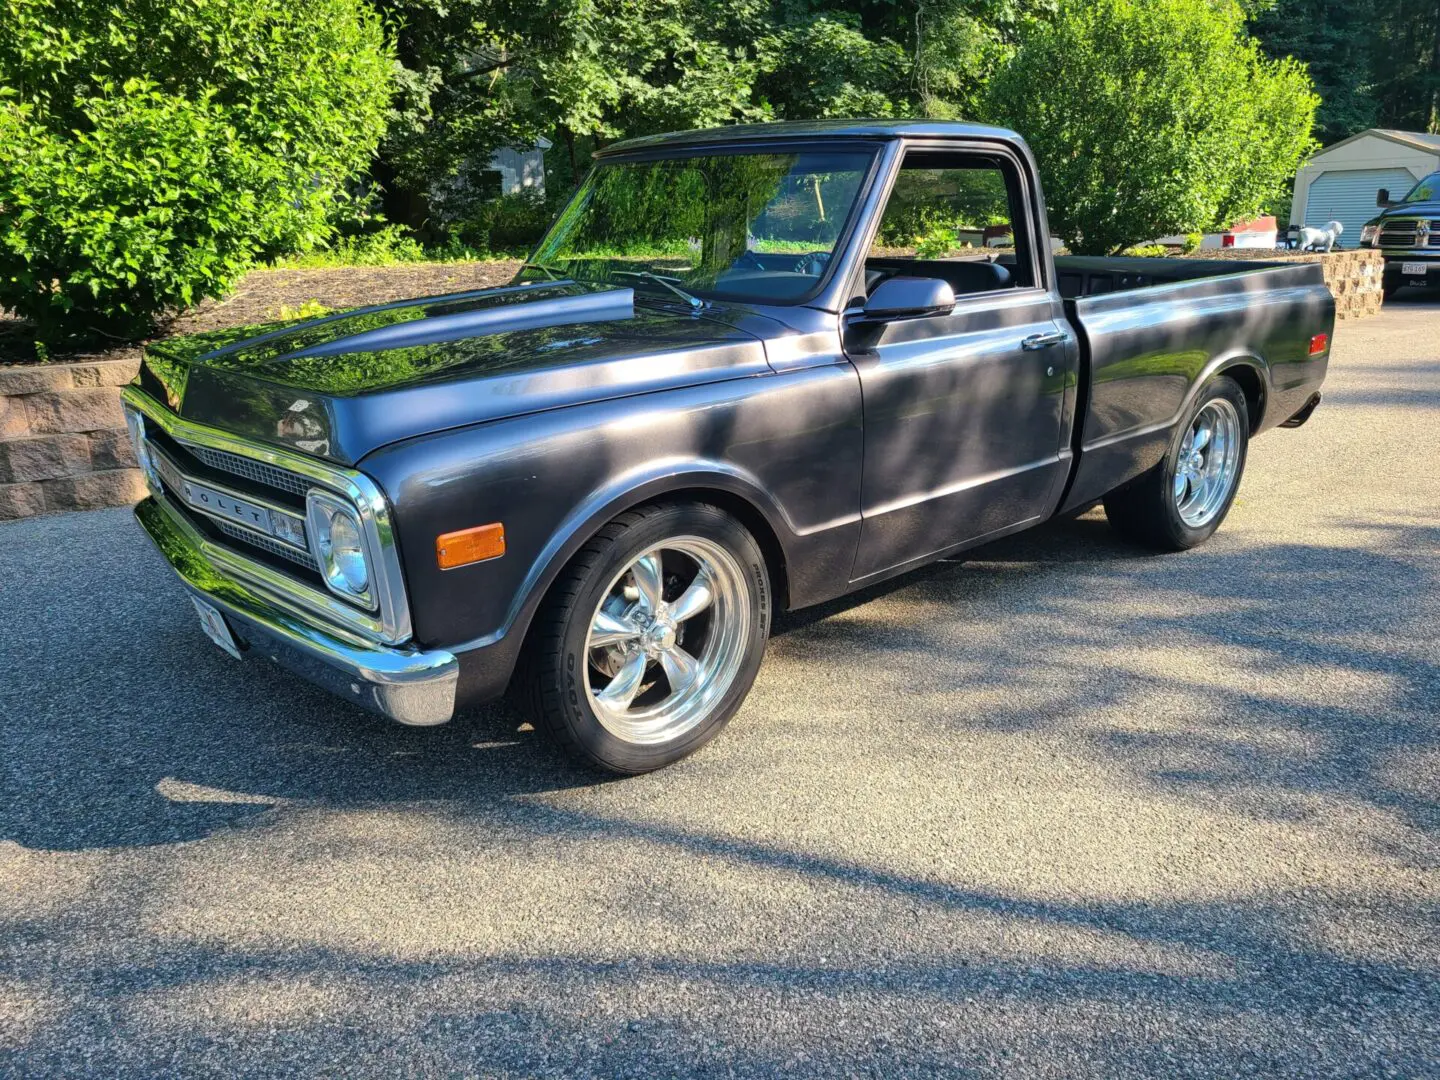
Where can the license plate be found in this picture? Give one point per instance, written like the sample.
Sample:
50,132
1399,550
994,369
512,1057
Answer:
1413,269
227,506
213,623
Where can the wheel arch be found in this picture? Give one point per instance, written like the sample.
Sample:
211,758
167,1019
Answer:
717,483
1250,373
1253,384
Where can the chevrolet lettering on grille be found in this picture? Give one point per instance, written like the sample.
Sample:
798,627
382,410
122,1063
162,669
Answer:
226,506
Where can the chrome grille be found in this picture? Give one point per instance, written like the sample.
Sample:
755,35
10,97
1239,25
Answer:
274,547
1410,233
1398,234
257,471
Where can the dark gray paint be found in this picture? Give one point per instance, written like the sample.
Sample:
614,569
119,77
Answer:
853,447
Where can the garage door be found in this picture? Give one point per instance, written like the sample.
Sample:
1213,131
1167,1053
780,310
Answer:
1349,198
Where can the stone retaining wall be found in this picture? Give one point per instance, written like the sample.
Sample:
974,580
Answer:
63,444
1354,277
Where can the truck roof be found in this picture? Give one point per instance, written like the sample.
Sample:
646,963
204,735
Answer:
806,129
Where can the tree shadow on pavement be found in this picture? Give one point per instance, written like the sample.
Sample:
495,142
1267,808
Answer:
128,730
125,727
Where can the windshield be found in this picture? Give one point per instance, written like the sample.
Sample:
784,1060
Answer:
759,226
1425,191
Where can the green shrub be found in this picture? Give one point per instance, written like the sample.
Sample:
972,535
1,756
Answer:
1192,242
392,245
310,309
510,223
1152,117
150,151
383,247
1147,251
936,244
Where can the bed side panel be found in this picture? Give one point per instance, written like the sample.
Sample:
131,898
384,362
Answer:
1148,350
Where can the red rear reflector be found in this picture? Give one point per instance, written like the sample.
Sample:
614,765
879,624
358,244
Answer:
468,546
1319,343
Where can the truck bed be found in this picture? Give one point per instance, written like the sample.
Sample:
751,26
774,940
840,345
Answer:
1152,329
1093,275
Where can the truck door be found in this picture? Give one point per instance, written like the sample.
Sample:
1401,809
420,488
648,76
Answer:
967,410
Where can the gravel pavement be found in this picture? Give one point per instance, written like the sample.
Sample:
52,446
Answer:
1058,809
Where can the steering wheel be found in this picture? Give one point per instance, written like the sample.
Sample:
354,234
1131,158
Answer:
812,264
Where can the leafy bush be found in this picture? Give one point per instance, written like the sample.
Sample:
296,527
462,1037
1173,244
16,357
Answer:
1153,117
509,223
310,309
383,247
149,152
392,245
936,244
1147,251
1192,243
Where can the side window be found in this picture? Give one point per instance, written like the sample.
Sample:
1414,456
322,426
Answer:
956,217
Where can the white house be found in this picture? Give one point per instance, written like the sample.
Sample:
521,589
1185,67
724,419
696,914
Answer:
1340,182
521,168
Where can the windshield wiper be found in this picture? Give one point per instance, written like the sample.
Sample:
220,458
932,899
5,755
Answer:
543,269
694,301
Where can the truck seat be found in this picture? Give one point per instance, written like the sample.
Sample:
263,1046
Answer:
963,275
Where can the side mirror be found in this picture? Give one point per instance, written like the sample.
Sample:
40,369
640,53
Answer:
1382,198
899,297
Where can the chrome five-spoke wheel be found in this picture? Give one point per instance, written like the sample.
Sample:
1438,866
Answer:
667,640
1208,463
1182,500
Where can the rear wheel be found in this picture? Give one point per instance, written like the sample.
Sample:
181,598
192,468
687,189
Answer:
651,639
1182,501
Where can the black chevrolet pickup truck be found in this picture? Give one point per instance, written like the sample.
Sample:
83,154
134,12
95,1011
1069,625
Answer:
721,386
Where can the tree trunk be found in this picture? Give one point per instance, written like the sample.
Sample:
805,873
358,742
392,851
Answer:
1434,127
569,137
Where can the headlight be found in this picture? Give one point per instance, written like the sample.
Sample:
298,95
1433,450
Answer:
136,424
1369,234
337,541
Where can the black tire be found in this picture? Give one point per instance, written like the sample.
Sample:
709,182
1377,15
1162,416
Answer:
1146,511
553,683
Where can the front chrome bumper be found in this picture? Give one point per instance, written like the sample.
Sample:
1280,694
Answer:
409,685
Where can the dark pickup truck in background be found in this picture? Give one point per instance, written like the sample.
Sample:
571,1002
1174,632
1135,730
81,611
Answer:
718,388
1408,235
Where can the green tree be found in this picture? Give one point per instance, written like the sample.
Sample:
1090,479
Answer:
481,74
149,151
1153,117
1376,63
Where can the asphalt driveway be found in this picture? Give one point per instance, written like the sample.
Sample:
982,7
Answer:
1060,809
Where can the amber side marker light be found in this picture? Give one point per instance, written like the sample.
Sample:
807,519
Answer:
1319,343
468,546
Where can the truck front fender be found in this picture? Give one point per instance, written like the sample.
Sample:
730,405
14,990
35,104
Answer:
781,452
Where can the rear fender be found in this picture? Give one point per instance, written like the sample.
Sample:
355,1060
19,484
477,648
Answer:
1112,464
1250,371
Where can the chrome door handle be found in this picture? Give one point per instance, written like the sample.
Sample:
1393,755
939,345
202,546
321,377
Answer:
1044,341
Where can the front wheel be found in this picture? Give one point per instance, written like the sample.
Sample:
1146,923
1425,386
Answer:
651,639
1182,501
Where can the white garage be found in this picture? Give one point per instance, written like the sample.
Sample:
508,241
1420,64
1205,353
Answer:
1340,182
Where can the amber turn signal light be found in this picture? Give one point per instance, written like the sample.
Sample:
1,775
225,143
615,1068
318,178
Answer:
468,546
1319,343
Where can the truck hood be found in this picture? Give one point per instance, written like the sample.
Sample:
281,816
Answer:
1429,209
341,386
